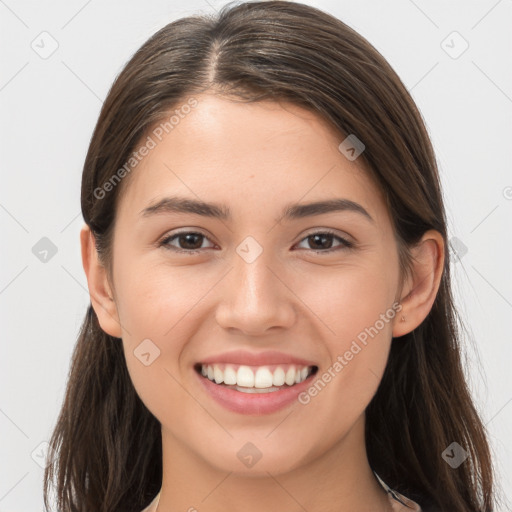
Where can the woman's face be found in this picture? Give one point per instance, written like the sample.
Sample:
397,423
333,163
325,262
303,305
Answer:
254,281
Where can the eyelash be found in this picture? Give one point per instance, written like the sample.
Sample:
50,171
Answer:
345,244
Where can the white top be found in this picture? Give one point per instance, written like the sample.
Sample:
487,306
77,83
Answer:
152,506
399,502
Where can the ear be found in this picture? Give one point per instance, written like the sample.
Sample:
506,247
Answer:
99,288
421,287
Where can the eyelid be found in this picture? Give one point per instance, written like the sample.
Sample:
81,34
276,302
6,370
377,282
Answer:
345,241
329,231
186,231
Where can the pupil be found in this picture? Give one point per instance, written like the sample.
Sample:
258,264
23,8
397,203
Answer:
323,237
187,238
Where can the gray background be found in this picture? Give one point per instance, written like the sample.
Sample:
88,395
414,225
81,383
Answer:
50,105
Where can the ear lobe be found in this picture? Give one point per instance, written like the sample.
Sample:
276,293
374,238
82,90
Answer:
423,285
99,287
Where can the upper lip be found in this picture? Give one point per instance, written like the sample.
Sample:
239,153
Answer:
243,357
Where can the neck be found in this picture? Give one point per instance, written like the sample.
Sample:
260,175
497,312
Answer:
339,480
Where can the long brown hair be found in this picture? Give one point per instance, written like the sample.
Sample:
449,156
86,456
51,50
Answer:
106,444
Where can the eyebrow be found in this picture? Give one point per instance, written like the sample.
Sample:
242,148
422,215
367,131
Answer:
218,211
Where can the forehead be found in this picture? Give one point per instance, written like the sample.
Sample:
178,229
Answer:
253,156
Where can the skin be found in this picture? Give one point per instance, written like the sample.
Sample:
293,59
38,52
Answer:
255,158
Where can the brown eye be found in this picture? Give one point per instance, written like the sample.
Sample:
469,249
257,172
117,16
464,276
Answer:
187,241
322,241
191,242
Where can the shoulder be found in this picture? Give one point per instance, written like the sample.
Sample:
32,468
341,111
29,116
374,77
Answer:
399,503
152,506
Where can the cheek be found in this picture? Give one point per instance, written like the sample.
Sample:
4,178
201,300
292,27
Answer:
357,309
153,349
155,299
350,300
155,307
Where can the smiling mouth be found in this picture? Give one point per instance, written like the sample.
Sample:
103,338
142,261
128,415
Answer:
255,379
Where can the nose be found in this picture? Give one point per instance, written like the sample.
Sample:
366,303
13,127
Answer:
255,297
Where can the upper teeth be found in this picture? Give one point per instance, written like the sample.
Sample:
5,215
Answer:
255,377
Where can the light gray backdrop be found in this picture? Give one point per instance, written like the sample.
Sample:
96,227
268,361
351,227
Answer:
58,61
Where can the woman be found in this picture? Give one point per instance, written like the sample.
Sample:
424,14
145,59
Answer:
307,357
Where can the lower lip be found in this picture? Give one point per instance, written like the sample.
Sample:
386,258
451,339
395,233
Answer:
253,403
